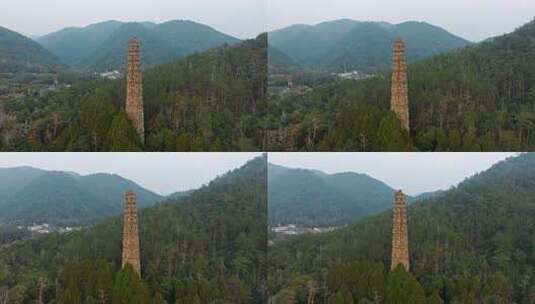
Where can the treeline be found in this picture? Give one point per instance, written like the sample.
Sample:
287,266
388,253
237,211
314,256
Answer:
472,244
208,247
481,98
358,282
209,101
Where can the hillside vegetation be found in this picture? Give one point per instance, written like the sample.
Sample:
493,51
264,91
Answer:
472,244
31,196
208,247
480,98
209,101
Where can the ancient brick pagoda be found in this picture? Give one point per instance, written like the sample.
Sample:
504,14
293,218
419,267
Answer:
131,233
399,100
400,238
134,89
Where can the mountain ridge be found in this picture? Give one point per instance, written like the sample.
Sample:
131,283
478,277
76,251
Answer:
102,46
312,197
20,53
65,198
349,44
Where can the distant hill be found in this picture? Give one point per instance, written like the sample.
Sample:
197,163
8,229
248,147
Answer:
347,44
208,247
73,44
474,241
278,59
103,46
308,197
29,195
21,54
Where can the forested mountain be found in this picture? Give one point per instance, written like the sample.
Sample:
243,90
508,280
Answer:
347,44
480,98
313,198
208,247
279,60
73,44
471,244
209,101
31,195
21,54
103,46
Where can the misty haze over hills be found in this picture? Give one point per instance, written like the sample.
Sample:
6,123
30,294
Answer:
103,45
348,44
30,195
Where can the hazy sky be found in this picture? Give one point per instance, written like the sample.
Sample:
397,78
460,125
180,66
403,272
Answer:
240,18
163,173
472,19
414,173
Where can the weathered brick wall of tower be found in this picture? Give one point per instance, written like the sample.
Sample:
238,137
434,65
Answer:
399,102
131,232
134,89
400,238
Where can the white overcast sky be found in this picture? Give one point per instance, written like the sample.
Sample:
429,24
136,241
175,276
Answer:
471,19
414,173
240,18
163,173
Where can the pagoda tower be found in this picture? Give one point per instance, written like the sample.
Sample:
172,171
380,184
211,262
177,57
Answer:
134,89
131,233
399,100
400,238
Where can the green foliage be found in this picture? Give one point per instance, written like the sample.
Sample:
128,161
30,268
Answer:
402,287
121,136
128,288
207,247
21,54
208,101
480,98
470,244
358,281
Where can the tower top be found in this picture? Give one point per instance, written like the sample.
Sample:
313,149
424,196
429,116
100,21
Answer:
134,41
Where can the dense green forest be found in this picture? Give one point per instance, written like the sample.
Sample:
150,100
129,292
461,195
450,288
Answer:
102,46
30,195
212,101
480,98
313,198
345,44
21,54
207,247
471,244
